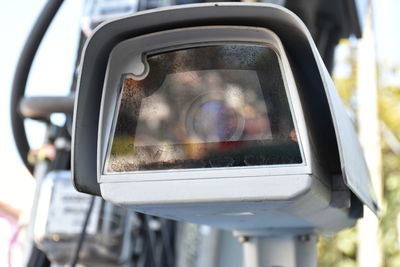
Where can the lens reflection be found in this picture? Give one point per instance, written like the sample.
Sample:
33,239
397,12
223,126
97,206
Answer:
215,121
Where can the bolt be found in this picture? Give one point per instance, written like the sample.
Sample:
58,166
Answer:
243,239
304,238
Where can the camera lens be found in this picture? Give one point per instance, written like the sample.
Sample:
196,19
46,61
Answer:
213,120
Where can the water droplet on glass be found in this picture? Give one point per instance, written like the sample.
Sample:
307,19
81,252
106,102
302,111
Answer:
251,160
222,162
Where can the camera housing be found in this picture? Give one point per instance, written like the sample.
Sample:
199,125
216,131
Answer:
220,114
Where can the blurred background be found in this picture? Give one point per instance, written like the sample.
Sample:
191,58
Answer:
359,42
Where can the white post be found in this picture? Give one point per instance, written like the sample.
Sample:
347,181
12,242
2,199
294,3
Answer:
369,252
282,251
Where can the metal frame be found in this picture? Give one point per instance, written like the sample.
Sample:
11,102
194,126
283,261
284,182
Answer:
127,57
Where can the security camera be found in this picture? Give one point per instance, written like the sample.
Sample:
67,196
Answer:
219,114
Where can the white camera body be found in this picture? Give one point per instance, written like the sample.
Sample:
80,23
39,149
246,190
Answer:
219,114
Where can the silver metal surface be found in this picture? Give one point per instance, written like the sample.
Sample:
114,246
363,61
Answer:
41,107
285,251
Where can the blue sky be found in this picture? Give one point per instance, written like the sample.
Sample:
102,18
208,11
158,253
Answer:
53,67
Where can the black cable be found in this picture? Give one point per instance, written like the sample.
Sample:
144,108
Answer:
166,241
21,75
82,236
151,240
63,154
155,255
38,258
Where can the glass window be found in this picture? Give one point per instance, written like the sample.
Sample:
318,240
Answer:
203,107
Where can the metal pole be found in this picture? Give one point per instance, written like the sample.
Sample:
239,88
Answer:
369,251
40,171
282,251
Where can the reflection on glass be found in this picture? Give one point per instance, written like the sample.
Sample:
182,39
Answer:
214,106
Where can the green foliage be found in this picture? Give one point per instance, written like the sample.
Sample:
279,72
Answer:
339,250
389,108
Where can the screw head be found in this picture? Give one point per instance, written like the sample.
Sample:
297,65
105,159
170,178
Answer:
243,239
